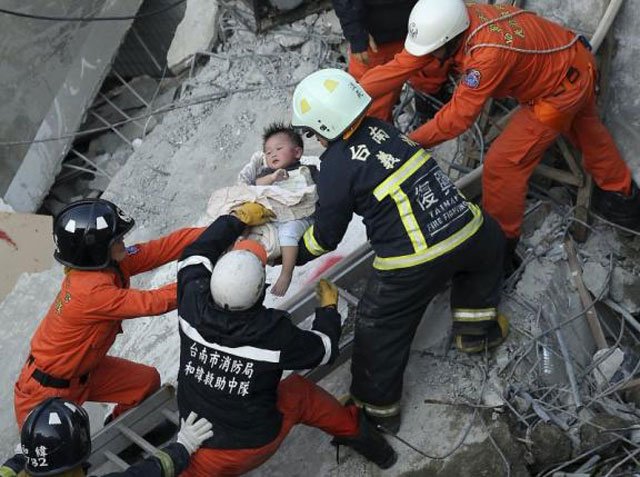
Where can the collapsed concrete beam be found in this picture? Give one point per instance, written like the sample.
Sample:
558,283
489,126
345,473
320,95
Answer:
40,165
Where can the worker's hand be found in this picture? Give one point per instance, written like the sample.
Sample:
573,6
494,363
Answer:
279,175
363,56
252,213
193,433
326,293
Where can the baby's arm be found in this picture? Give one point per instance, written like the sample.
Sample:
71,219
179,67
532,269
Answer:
249,172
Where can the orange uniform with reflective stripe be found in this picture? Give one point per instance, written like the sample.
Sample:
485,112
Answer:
552,102
85,318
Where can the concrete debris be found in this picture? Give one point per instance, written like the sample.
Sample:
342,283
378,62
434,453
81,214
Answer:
549,445
197,31
532,423
607,362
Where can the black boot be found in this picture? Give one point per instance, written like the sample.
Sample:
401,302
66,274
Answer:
618,208
511,258
369,443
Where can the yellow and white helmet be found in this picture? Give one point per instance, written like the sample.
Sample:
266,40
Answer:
327,102
433,23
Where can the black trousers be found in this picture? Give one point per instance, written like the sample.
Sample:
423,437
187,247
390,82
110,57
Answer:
395,301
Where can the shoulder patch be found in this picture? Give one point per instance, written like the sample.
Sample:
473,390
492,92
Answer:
472,78
132,249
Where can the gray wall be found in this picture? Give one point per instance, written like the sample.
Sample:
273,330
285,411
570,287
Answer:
35,56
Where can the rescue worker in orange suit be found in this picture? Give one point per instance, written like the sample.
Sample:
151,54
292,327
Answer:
503,51
375,30
422,230
234,350
55,441
68,355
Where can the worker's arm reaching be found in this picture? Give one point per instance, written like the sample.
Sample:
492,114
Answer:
155,253
334,210
479,81
389,77
306,349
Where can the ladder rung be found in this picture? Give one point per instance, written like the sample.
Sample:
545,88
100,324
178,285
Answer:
116,460
136,439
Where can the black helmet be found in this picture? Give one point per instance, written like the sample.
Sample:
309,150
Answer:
85,230
55,437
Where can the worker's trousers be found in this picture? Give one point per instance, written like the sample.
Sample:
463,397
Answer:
514,155
382,107
301,402
115,380
395,301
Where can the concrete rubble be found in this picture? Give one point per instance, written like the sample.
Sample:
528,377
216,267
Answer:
547,402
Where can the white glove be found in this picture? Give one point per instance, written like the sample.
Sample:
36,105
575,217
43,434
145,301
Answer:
193,433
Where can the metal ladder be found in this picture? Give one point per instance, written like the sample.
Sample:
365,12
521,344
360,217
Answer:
125,435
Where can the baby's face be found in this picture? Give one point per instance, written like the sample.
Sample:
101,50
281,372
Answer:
280,152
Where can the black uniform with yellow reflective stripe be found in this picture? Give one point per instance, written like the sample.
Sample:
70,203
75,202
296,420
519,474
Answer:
424,233
412,211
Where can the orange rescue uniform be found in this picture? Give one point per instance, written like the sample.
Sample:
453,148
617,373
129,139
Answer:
556,92
71,342
383,105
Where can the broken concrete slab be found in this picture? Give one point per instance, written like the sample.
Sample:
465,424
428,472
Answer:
197,31
26,246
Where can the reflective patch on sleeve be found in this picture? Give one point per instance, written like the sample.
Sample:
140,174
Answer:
132,249
472,78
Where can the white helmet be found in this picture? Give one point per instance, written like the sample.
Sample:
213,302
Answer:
433,23
327,102
237,281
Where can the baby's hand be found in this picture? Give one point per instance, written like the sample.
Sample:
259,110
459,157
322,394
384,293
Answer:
280,175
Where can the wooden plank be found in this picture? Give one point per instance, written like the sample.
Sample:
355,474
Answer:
585,296
580,230
557,175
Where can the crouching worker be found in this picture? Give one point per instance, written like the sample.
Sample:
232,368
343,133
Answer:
234,350
68,350
55,441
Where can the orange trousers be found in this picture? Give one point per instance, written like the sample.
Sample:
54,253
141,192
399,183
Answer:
514,155
115,380
301,402
382,107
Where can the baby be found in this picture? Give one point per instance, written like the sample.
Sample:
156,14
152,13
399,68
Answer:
279,166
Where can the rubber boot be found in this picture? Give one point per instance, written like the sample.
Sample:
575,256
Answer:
387,417
511,258
618,208
369,443
489,336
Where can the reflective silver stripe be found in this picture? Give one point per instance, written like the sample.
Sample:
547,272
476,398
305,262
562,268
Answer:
248,352
433,252
475,315
312,244
326,341
195,260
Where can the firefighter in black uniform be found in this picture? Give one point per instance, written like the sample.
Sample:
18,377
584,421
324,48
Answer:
234,350
55,441
422,230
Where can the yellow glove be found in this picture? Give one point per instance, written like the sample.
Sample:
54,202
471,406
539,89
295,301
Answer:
326,293
252,213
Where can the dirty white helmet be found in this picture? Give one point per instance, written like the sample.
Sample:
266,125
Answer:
327,102
432,23
237,281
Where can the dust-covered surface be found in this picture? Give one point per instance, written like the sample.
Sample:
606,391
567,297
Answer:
477,406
